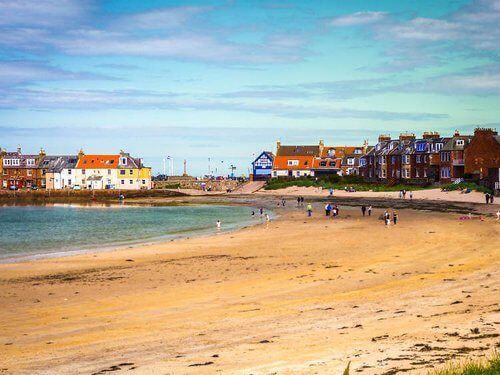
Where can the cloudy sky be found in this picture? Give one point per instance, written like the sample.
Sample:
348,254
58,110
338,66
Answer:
226,79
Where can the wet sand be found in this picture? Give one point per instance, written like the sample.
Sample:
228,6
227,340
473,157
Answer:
298,296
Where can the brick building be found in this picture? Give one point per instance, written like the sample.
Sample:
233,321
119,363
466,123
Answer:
482,153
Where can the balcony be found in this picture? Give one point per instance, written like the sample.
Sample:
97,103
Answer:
458,161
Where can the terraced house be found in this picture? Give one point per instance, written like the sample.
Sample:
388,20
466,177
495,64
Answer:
20,170
132,174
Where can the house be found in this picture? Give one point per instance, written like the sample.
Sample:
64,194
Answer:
132,174
451,158
339,160
295,161
59,171
262,166
20,170
96,172
482,153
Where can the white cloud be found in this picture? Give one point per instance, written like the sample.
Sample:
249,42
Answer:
47,13
358,18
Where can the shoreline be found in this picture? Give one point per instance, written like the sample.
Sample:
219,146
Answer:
158,240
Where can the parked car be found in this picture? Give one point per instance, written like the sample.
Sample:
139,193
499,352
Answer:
34,187
77,187
13,187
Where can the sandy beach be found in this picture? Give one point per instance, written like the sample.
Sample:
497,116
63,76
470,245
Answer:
427,194
297,296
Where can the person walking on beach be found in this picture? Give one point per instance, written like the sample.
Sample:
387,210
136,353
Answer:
394,217
309,210
491,198
283,202
298,201
411,195
261,211
498,215
404,193
218,224
363,210
369,210
331,192
487,196
268,219
401,194
328,209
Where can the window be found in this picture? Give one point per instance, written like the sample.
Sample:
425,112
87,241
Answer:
130,182
357,151
70,171
144,182
362,162
4,172
293,163
407,173
124,161
322,164
332,164
383,173
331,152
350,161
425,172
122,171
298,173
122,182
460,142
130,172
29,172
421,146
69,182
306,163
275,173
393,160
30,162
417,175
439,146
418,158
406,159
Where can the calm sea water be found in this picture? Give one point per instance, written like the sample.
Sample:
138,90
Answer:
43,230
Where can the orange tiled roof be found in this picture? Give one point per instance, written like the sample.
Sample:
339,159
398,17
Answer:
281,162
340,151
98,161
317,161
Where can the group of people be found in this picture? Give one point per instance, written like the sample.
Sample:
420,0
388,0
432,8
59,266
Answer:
364,210
387,218
402,194
300,201
489,198
331,209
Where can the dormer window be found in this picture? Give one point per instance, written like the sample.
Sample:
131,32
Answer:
439,146
460,142
420,146
123,161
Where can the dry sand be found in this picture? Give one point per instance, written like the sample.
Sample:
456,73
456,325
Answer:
299,296
427,194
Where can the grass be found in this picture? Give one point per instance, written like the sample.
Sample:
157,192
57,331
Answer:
357,185
490,366
467,185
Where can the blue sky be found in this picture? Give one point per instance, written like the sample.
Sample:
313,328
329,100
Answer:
226,79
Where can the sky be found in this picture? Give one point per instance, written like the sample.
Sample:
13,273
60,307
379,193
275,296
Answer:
226,79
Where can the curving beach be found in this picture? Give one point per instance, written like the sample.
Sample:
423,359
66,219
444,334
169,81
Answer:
297,296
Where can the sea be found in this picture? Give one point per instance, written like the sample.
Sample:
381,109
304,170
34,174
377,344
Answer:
66,229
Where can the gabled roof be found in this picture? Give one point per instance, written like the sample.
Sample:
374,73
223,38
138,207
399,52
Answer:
268,154
298,151
336,163
452,145
22,160
281,162
98,162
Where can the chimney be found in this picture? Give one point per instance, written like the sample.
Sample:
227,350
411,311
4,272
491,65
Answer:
278,146
321,147
485,131
41,153
430,135
19,149
406,136
384,137
456,134
80,154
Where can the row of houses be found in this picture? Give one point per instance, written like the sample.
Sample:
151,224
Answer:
308,160
81,171
407,159
432,158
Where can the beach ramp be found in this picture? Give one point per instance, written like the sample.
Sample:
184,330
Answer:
249,187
